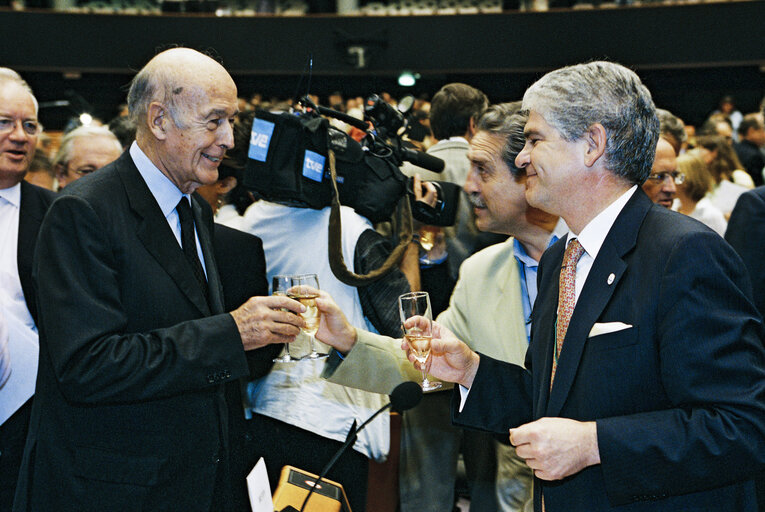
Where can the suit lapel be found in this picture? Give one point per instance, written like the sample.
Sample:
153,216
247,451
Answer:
31,212
597,291
156,235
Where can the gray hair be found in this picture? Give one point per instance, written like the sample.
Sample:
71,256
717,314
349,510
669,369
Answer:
670,124
153,83
573,98
7,75
64,153
506,120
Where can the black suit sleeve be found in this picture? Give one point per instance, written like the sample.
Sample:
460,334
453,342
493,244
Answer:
499,399
242,269
98,353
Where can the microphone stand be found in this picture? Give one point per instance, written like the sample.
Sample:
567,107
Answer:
405,396
349,440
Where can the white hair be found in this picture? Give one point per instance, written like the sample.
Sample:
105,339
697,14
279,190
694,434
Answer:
64,153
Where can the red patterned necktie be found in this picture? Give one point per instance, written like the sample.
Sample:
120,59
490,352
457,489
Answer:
566,297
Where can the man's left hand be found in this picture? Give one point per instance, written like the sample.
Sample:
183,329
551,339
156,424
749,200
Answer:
556,447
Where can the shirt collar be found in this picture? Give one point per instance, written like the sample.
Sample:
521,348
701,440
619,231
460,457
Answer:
523,256
12,195
594,233
164,191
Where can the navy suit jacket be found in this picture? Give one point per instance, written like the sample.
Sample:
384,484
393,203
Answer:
746,233
129,412
678,397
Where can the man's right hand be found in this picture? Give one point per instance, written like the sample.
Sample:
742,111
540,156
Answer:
450,360
265,320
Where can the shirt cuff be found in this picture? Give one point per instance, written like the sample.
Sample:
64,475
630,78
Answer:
464,392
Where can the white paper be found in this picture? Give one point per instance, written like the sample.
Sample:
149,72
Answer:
259,488
20,386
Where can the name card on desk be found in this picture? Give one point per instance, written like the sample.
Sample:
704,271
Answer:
259,488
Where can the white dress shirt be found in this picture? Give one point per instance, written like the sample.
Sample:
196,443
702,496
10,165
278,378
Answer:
5,355
593,235
11,294
166,193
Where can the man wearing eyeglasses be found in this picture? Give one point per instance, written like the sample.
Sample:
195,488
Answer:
22,206
84,150
660,184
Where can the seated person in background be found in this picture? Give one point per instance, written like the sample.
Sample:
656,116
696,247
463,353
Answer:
691,193
730,179
299,418
84,150
751,137
661,184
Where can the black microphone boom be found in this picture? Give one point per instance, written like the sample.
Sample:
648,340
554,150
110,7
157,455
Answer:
403,397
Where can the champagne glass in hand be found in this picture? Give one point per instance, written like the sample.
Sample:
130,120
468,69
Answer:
280,285
303,290
418,331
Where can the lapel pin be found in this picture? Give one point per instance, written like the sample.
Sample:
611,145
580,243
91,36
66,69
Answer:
611,279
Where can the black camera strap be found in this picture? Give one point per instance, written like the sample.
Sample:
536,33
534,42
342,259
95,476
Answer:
337,263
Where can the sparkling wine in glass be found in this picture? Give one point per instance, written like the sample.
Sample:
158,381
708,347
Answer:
279,286
418,332
304,290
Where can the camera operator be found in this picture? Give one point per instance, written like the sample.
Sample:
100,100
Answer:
299,418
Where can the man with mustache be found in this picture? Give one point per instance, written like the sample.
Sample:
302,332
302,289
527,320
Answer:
504,276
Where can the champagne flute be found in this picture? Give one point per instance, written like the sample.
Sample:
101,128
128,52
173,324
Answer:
303,290
279,286
419,332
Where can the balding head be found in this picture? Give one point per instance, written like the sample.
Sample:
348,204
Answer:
174,78
184,104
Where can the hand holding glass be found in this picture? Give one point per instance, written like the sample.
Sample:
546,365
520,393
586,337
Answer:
280,285
418,332
303,290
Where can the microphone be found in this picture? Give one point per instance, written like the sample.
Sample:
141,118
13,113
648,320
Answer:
424,160
403,397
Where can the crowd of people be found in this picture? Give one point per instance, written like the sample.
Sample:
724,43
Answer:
599,305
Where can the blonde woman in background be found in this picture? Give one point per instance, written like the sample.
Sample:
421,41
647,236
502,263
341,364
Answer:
691,194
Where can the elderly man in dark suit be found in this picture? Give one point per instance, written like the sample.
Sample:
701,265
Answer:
134,342
644,385
22,207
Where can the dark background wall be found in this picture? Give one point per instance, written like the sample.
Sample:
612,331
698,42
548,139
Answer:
688,55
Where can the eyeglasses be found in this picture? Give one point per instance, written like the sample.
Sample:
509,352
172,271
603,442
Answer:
30,127
82,171
659,177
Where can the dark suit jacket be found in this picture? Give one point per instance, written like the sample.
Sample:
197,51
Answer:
679,397
751,158
34,203
129,412
746,233
13,432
